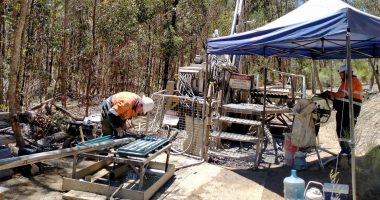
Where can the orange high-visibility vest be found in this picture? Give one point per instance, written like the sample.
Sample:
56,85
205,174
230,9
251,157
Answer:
123,103
357,88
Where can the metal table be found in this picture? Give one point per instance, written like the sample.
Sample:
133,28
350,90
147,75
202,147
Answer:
271,112
138,164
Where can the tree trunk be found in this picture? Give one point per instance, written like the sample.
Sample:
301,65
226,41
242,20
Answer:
15,59
2,39
30,51
317,77
148,63
168,54
64,63
375,72
93,62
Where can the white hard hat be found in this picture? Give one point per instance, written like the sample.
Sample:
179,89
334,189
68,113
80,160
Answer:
148,104
343,68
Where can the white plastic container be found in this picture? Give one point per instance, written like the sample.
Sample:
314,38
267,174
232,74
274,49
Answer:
294,187
313,193
335,191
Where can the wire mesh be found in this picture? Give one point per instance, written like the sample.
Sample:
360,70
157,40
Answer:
179,118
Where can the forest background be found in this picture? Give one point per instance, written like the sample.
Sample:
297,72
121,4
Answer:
89,49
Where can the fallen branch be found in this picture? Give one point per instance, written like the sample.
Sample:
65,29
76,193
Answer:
7,130
41,104
56,137
67,113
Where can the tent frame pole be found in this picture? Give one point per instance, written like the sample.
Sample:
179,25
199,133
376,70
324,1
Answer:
206,130
351,113
259,145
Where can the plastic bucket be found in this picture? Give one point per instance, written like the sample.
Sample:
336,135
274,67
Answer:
289,150
313,193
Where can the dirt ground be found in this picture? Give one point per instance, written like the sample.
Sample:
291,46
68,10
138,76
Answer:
208,181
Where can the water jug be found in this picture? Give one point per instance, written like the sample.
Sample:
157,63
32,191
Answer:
300,160
294,187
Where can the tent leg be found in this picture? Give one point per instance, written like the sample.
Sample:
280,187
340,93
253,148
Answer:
351,113
206,129
259,149
313,77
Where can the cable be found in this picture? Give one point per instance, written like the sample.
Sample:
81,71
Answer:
190,165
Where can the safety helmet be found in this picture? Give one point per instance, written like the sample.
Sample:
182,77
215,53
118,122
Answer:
343,68
148,104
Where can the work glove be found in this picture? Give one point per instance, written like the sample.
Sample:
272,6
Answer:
130,123
120,132
327,95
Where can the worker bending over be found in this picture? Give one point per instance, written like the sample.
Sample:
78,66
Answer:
119,108
341,105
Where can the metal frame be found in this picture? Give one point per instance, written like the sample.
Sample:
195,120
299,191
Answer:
111,191
351,113
294,75
349,52
139,165
313,51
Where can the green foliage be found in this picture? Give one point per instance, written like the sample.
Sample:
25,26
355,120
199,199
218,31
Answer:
133,37
58,122
117,20
329,76
362,70
369,6
4,108
171,42
220,16
147,9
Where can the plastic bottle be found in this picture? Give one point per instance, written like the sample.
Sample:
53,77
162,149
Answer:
289,150
294,187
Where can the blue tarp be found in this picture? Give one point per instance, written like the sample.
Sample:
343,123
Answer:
316,30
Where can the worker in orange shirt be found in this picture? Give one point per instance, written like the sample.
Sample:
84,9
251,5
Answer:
119,108
341,105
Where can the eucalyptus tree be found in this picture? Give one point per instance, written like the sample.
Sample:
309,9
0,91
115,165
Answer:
2,49
14,68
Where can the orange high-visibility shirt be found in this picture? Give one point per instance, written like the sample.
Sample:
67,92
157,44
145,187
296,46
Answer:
357,88
123,103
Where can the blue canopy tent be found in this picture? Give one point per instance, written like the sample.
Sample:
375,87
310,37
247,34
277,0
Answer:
319,29
315,30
